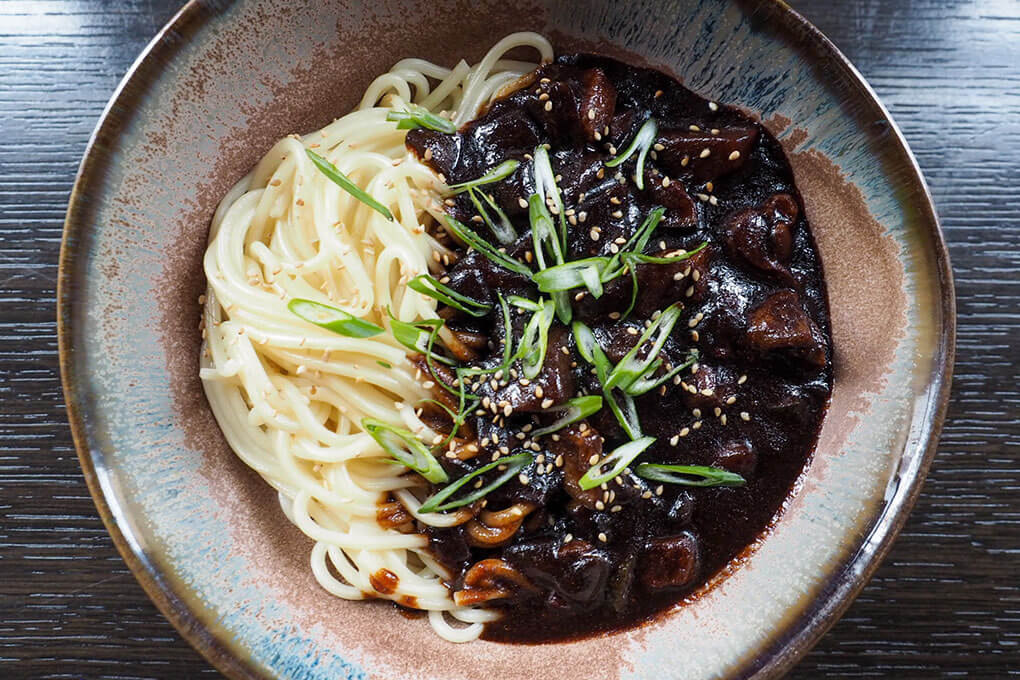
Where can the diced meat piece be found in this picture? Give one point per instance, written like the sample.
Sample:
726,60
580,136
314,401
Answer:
575,571
444,151
737,456
477,277
597,103
578,450
669,562
781,324
553,385
556,113
684,151
763,236
681,210
709,388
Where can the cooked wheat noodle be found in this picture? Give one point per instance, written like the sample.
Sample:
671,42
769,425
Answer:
289,395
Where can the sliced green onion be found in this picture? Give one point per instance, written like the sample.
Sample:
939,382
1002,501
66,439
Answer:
630,368
577,409
411,453
586,272
625,413
525,303
435,502
501,171
535,341
345,183
672,474
417,339
332,319
427,285
543,231
652,259
642,141
503,230
469,237
638,240
545,187
561,302
645,384
384,364
418,116
620,457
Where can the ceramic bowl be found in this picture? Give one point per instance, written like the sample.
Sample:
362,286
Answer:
205,537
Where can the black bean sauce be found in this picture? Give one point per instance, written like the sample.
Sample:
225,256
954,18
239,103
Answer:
755,307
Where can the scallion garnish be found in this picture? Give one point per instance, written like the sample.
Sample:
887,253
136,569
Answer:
417,339
638,240
543,231
641,143
674,474
345,183
503,230
513,465
332,319
501,171
645,384
587,272
405,448
525,303
622,405
630,369
427,285
576,409
418,116
620,458
384,364
545,187
535,340
469,237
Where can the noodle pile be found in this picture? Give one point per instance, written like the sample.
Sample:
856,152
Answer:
290,395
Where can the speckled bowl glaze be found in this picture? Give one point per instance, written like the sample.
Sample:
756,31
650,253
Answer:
206,538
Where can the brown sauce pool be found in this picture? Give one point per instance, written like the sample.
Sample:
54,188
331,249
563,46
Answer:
568,563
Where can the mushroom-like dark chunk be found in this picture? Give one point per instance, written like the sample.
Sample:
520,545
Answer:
597,103
575,571
763,236
578,449
553,386
709,154
669,562
681,210
709,387
737,456
780,324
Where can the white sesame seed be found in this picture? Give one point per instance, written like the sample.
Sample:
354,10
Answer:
685,431
602,537
546,403
674,440
735,155
713,106
745,416
599,505
705,153
548,106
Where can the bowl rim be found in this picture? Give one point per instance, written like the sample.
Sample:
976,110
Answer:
836,594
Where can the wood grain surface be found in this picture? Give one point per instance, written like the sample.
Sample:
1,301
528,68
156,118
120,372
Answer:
946,602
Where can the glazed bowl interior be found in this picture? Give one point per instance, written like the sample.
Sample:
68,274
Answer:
206,537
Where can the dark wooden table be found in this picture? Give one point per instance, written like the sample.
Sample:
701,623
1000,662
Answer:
946,603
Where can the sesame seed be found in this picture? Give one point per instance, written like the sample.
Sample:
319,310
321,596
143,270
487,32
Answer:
658,490
696,275
539,392
722,419
684,161
689,292
717,411
696,425
741,380
696,413
523,479
507,410
593,459
713,106
715,131
602,537
614,315
685,431
678,276
568,538
694,128
542,97
617,214
731,400
582,216
594,234
598,136
591,114
713,200
616,508
735,155
702,197
521,202
658,93
559,458
427,155
599,505
632,330
665,182
745,416
546,403
646,495
674,440
705,153
548,106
